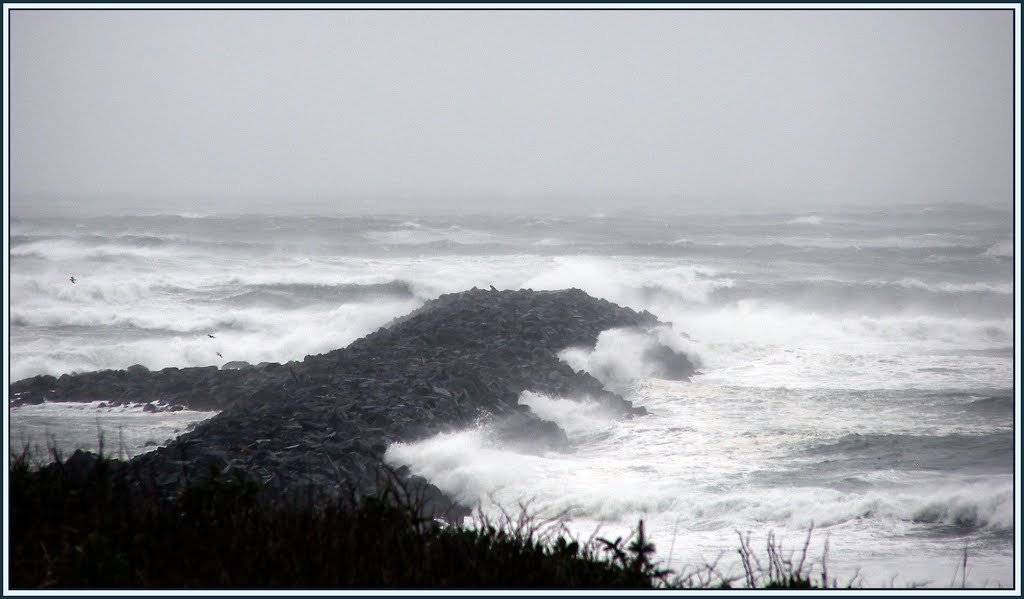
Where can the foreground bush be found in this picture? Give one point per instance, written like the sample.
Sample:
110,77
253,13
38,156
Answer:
80,523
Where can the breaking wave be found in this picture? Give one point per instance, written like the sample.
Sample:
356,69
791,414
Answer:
294,295
956,452
1003,249
418,234
876,297
623,356
579,418
856,369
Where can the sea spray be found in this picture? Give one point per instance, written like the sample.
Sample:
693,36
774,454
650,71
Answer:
893,321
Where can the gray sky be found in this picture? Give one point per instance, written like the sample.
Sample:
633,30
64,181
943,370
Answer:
491,109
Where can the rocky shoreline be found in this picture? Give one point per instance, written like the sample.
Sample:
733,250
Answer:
322,424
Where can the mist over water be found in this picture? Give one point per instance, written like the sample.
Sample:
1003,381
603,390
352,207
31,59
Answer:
856,365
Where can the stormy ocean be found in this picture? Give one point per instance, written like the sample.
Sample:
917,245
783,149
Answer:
856,364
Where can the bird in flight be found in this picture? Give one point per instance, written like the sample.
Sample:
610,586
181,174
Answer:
210,336
72,279
218,353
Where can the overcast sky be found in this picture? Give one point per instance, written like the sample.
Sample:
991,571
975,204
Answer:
238,109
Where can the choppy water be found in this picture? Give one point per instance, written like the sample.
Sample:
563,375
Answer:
857,366
122,431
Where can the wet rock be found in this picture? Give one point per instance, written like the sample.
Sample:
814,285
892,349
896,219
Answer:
525,432
324,422
669,364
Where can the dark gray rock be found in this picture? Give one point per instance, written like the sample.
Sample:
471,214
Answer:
324,423
669,364
523,431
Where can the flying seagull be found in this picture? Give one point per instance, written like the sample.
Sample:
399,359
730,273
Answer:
210,336
72,279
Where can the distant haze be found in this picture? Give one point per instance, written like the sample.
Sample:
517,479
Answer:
388,111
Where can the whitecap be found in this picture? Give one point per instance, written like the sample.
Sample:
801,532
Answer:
1003,249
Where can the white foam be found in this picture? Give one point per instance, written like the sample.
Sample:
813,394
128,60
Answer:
628,281
620,355
65,250
253,335
465,464
125,431
747,336
977,287
697,468
776,379
1003,249
419,234
762,344
579,418
550,242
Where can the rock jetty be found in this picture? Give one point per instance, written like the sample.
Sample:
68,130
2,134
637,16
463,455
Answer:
323,423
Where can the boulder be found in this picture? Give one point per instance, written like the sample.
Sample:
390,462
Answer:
324,423
523,431
669,364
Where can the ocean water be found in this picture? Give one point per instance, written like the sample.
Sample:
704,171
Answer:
856,365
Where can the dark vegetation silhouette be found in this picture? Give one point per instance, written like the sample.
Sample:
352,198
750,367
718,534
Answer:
87,522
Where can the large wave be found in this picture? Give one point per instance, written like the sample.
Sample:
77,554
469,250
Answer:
103,248
728,314
873,297
991,452
624,356
293,295
854,370
1003,249
250,334
607,481
703,481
